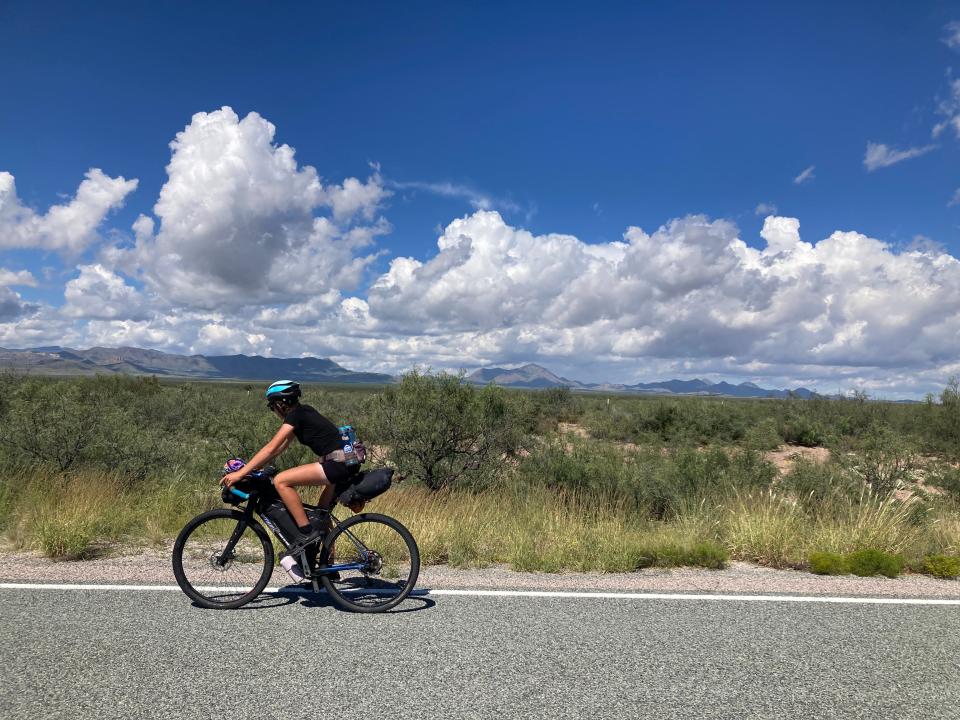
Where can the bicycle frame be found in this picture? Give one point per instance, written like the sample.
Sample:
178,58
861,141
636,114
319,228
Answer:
309,572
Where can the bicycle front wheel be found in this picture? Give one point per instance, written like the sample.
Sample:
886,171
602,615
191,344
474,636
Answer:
222,559
378,561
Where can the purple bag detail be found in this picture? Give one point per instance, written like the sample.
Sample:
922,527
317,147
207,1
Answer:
233,464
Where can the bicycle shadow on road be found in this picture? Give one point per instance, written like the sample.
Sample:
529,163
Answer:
305,596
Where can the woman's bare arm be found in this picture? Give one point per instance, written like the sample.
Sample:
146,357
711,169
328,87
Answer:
278,443
284,446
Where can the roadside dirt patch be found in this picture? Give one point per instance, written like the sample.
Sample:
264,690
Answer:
573,429
785,456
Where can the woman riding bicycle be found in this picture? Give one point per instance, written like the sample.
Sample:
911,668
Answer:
316,432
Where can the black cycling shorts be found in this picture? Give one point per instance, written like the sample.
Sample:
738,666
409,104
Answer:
340,474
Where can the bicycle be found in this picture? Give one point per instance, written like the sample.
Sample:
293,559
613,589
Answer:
224,558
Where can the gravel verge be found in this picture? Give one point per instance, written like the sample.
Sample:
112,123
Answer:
152,566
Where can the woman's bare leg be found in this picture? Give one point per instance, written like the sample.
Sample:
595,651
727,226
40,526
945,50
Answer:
287,482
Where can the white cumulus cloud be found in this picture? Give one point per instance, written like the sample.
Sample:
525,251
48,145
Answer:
692,289
99,293
70,227
23,278
237,223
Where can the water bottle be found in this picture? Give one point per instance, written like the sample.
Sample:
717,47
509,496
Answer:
348,438
292,567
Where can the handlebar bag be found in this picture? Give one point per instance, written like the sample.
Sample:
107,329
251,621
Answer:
367,486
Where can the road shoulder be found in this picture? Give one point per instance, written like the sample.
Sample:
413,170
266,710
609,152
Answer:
152,566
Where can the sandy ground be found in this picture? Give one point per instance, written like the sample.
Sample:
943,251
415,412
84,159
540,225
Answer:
153,566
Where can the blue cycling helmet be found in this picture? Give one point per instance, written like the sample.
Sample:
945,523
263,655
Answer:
283,390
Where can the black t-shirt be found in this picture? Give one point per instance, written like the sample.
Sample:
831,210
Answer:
313,429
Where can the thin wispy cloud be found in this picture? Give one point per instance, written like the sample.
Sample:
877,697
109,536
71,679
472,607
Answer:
879,155
955,200
478,200
952,37
806,176
764,209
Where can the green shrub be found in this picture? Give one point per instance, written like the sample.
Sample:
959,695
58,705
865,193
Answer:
443,431
705,554
867,563
942,566
885,460
708,555
802,430
828,563
594,468
947,478
555,405
819,484
763,435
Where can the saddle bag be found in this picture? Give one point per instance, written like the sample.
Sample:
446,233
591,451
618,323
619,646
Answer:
367,486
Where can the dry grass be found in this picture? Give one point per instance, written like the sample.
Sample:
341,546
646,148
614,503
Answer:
528,528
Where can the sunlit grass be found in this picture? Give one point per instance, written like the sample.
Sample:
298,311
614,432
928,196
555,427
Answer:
525,527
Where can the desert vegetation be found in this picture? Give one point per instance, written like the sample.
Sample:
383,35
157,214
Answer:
539,480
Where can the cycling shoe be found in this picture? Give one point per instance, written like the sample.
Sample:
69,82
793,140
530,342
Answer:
304,542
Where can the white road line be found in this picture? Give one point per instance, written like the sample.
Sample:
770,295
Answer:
563,594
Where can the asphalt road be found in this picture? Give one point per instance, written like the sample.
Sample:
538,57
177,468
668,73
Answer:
149,654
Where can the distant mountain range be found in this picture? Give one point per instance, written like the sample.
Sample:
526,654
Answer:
537,377
136,361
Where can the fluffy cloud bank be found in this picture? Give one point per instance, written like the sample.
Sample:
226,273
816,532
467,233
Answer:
692,289
248,251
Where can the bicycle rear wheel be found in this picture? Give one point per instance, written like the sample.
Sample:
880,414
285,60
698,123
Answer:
222,559
378,562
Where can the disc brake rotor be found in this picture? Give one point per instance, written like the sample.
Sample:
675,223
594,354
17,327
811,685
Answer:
217,565
374,563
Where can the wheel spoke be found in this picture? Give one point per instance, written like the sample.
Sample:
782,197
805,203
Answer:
222,561
390,563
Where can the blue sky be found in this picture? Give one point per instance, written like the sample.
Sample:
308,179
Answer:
575,119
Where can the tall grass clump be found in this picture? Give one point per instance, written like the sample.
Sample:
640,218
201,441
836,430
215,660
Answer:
66,517
545,530
767,528
870,522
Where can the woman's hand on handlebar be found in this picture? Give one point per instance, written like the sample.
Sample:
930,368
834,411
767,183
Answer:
232,478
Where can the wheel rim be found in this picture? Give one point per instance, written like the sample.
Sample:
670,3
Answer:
215,578
388,564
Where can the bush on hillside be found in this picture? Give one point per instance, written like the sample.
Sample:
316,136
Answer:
819,484
443,431
885,461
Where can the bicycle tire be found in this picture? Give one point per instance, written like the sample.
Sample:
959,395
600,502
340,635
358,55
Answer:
201,595
345,599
